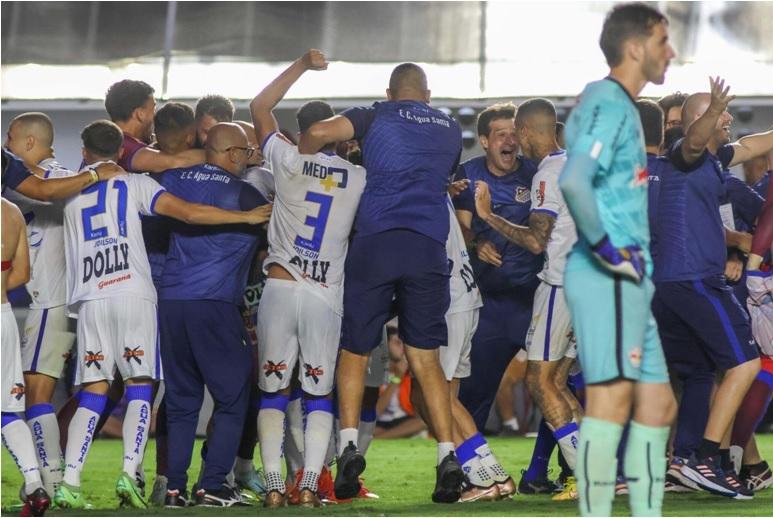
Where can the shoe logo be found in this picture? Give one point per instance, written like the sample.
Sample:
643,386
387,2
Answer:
17,391
274,368
133,354
93,358
313,372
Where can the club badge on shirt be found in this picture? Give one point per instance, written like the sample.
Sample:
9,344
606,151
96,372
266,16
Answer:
522,195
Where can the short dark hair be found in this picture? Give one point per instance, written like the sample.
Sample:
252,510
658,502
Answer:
492,113
537,105
625,21
407,75
674,100
216,106
173,117
651,121
102,138
311,112
123,97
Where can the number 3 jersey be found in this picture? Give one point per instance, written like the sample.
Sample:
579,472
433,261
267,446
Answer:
104,248
314,208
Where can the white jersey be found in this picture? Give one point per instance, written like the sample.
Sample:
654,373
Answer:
106,254
45,234
262,179
465,294
314,208
546,197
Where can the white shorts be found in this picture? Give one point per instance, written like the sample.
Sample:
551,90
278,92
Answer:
46,341
377,364
455,357
13,379
296,325
550,335
119,333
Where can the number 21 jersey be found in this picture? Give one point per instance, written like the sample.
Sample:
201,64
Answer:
105,252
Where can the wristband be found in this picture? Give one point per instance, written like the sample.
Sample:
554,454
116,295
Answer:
396,380
94,177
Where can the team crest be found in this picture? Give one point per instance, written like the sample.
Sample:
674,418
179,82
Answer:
313,372
133,354
17,391
93,358
541,193
522,195
274,368
635,357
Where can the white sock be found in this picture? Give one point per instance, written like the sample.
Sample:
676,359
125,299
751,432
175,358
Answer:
331,445
347,435
18,440
568,438
271,428
80,435
319,428
365,435
41,421
443,449
136,427
477,473
490,463
293,445
512,423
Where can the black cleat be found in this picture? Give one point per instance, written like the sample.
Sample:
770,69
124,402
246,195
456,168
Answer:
448,484
226,496
349,466
538,486
176,499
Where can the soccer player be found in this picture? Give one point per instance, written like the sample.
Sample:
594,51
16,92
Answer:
671,105
109,286
607,286
550,340
299,321
409,150
46,339
205,341
16,436
210,110
689,273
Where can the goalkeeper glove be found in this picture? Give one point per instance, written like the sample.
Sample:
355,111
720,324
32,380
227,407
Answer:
627,261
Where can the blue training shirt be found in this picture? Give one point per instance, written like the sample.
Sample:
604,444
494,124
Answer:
691,236
655,166
409,150
207,262
511,200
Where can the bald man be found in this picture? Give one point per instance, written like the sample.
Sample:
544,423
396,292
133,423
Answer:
692,297
410,150
46,339
205,341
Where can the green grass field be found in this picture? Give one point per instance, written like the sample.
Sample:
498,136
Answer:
400,471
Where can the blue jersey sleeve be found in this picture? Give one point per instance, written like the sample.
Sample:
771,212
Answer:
747,204
466,198
249,197
725,155
14,171
361,118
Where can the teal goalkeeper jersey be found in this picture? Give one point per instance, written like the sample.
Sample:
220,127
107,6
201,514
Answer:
606,127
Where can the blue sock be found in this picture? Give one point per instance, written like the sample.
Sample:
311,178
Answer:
693,413
540,457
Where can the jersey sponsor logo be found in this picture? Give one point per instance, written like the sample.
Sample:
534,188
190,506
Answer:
313,372
200,176
105,262
135,354
640,177
110,282
17,391
522,194
326,175
93,358
423,119
274,368
90,427
541,193
141,427
315,269
40,446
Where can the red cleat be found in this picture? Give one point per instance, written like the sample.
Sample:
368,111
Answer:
37,503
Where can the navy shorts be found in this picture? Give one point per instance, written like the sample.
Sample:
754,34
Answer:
703,311
403,264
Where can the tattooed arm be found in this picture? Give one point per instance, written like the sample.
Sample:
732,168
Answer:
533,238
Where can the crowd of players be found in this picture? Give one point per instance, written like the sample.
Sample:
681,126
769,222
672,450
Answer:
174,268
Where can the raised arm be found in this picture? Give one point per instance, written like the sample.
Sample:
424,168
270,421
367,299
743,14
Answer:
752,146
197,214
322,133
263,104
699,132
154,161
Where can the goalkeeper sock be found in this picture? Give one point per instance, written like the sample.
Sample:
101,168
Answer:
597,466
645,468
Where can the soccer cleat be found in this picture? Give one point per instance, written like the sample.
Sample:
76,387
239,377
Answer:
538,486
274,500
708,475
350,465
507,489
226,496
174,499
569,492
69,497
308,498
158,495
293,490
448,482
365,492
252,481
473,493
621,487
129,494
37,503
756,477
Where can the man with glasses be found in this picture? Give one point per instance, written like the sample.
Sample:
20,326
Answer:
204,338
